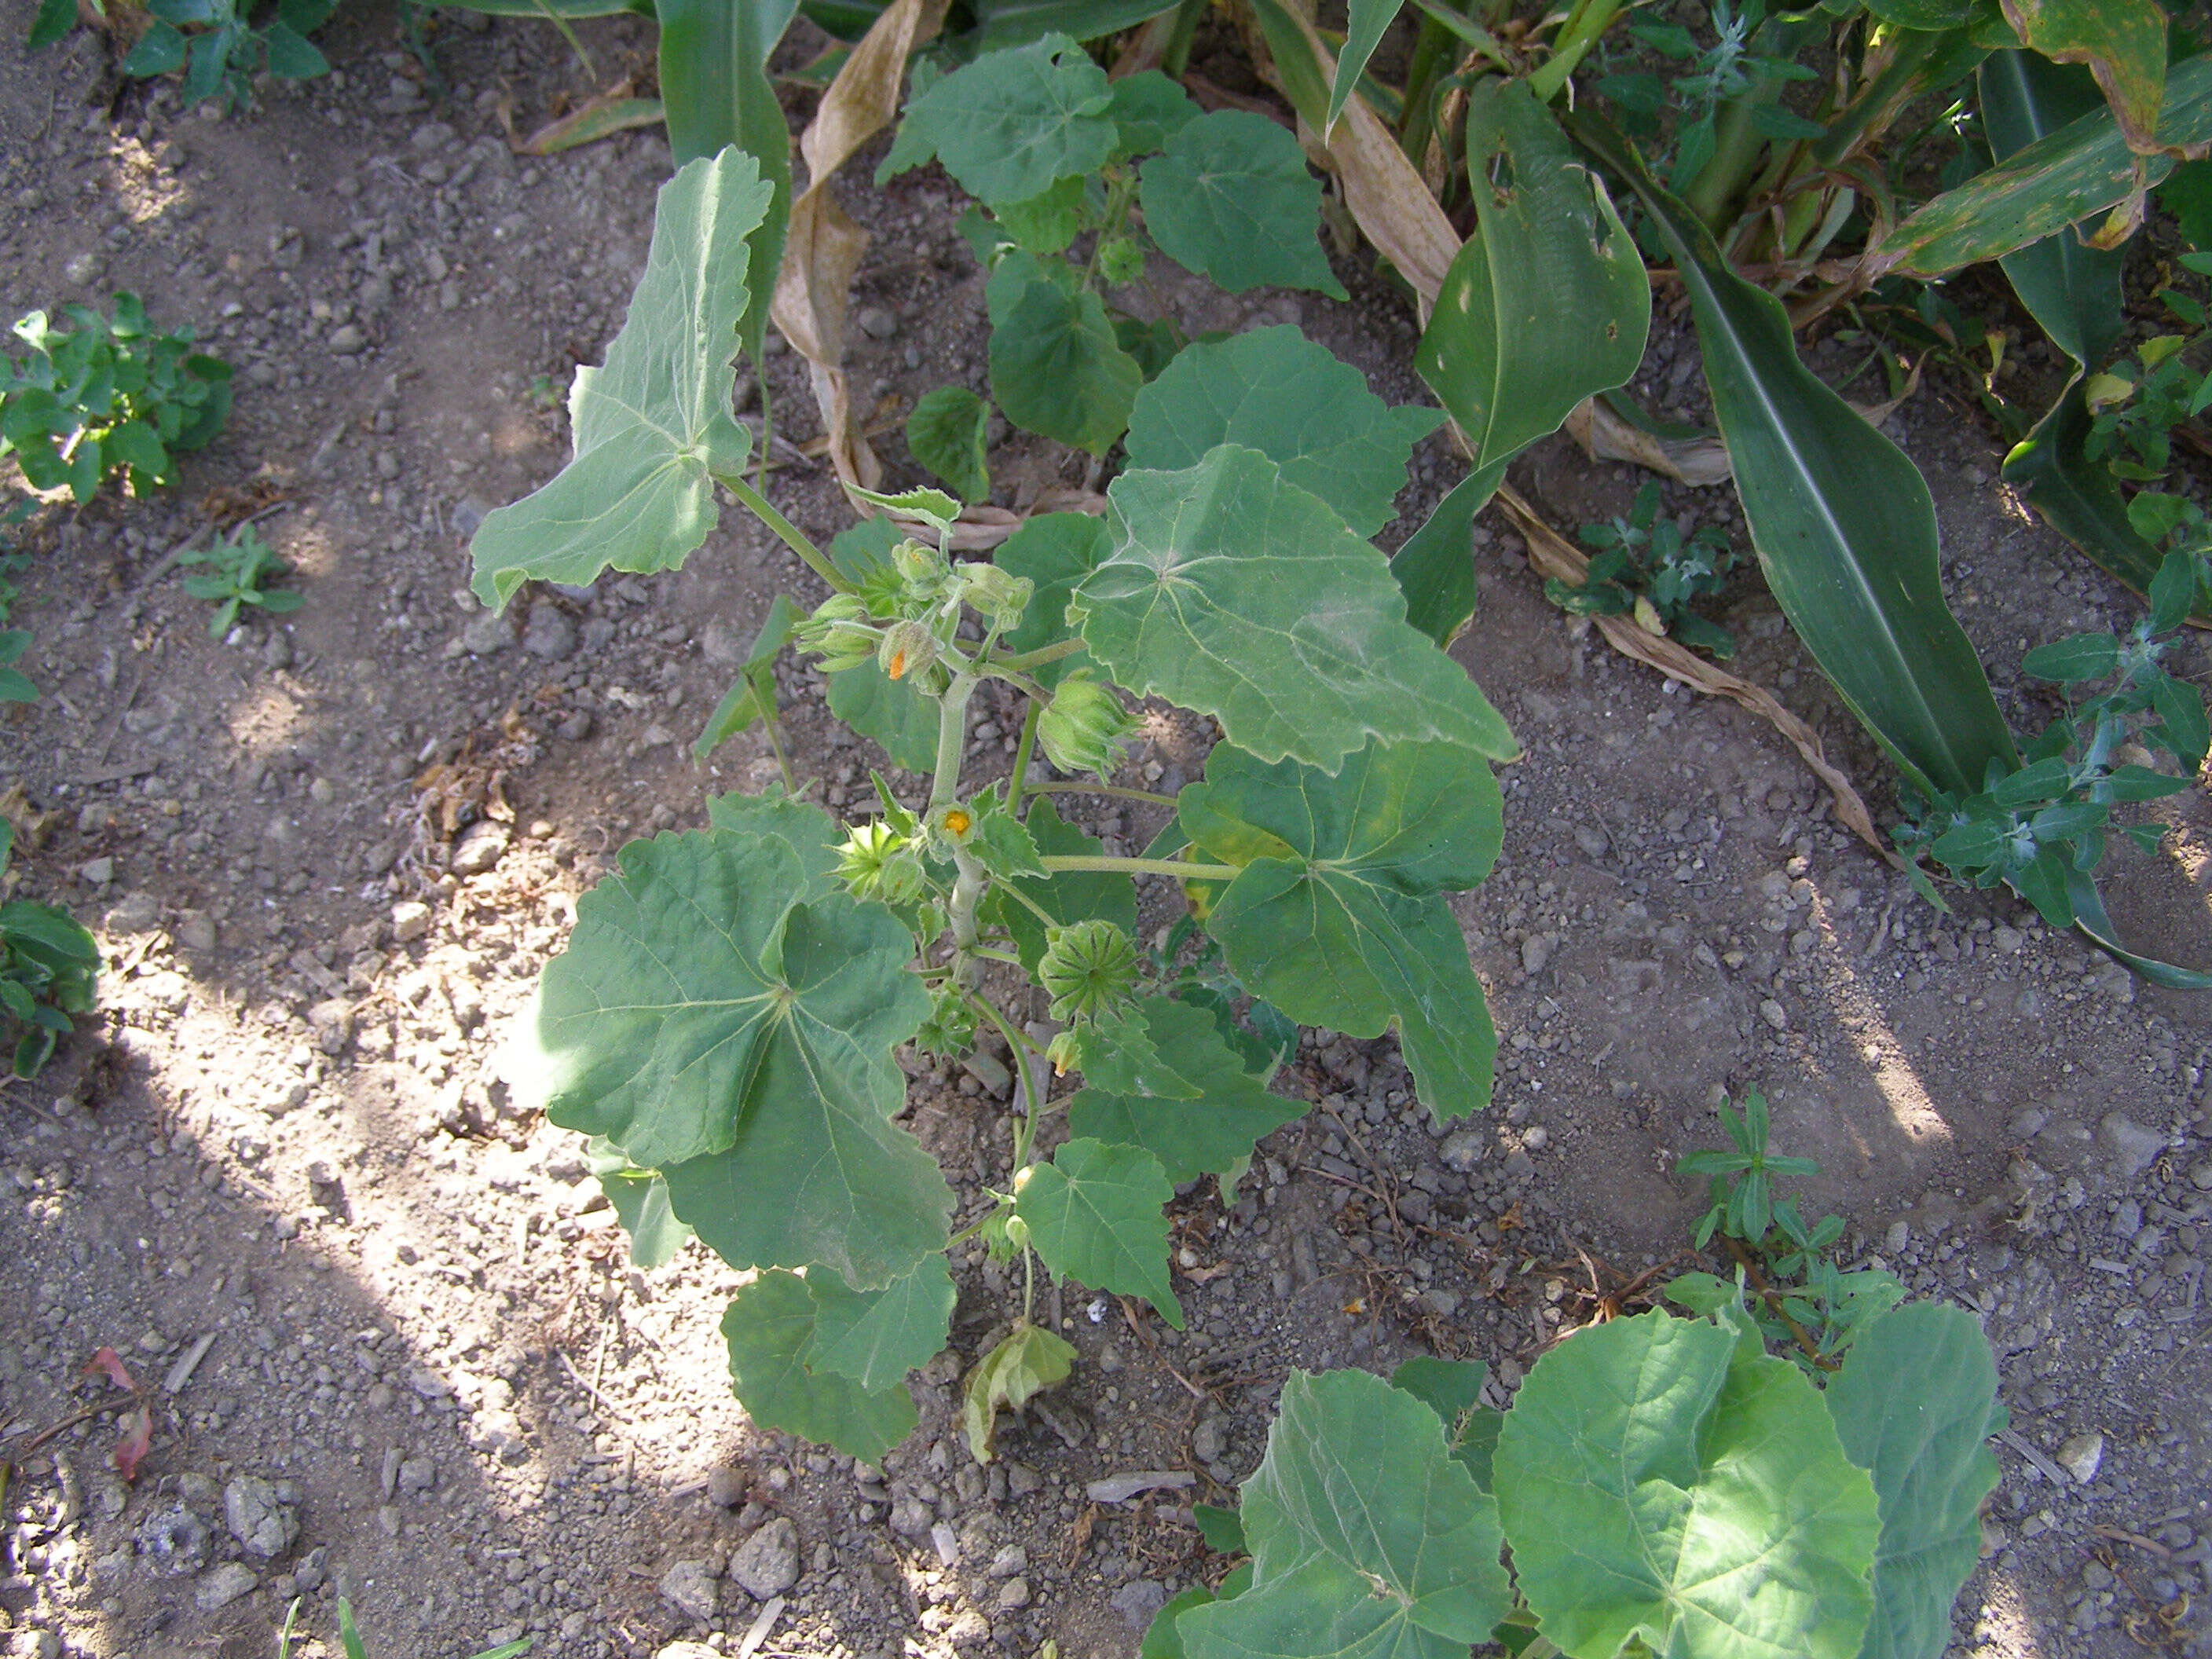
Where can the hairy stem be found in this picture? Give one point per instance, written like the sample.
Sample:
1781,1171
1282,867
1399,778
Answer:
1111,865
1079,787
1041,656
783,761
785,530
1578,35
1018,780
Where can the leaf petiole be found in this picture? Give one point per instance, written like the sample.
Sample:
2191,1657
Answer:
1077,787
786,533
1041,656
1180,871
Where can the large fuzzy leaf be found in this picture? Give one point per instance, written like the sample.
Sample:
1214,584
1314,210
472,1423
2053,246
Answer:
1219,1111
1056,368
1094,1216
639,1198
1229,197
653,425
1843,523
1336,915
1275,390
2060,179
1009,124
1235,593
1368,1538
1659,1482
768,1327
1914,1404
876,1337
1546,304
722,1018
2073,290
1055,551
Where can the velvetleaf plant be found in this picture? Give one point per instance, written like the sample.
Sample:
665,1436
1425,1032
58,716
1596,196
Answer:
724,1019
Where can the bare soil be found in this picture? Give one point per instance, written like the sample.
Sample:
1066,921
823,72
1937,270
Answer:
328,857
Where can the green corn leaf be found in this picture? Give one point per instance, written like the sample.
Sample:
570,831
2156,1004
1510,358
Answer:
768,1326
2059,179
714,93
752,696
1229,197
721,1015
1094,1216
1076,896
1055,551
1000,23
1238,595
1275,390
1009,124
639,1198
653,425
1346,927
1547,303
1057,369
2071,289
945,434
2075,495
1435,567
876,1337
2123,42
1206,1131
1843,523
1367,1537
1364,24
1913,1404
1927,16
1653,1469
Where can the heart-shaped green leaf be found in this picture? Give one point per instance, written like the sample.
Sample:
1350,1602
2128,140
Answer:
1055,551
1337,917
1094,1216
768,1326
1204,1132
1057,370
1275,390
1235,593
945,434
1367,1537
876,1337
1661,1482
1229,197
723,1017
1914,1403
653,425
639,1198
1011,123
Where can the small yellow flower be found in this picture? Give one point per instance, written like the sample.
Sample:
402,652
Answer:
956,821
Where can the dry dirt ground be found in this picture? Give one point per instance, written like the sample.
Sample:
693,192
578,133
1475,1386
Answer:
391,1341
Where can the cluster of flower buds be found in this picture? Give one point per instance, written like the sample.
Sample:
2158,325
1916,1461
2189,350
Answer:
877,862
839,632
1084,727
995,595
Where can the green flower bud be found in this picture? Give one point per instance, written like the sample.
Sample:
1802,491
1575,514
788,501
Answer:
1089,968
1120,261
838,632
996,593
877,862
1083,728
908,647
923,570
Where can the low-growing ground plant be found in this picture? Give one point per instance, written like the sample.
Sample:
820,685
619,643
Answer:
216,45
49,972
1659,1485
725,1018
108,398
1647,567
237,566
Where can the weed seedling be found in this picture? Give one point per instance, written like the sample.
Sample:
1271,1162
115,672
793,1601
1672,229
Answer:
1646,568
49,969
237,568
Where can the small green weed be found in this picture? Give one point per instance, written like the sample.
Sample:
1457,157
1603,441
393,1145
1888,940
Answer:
1647,567
2043,826
237,568
14,685
108,396
1803,1302
49,970
214,42
350,1636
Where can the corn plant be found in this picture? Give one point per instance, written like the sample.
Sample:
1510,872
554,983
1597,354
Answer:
725,1018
